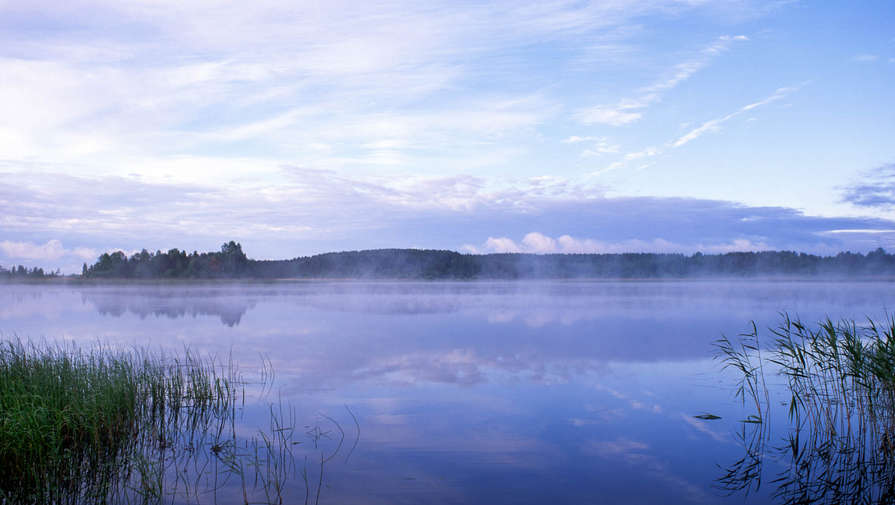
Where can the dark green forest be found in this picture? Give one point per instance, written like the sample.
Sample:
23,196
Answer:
231,262
22,273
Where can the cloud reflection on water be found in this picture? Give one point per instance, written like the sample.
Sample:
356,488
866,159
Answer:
463,385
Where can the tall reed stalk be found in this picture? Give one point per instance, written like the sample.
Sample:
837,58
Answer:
840,398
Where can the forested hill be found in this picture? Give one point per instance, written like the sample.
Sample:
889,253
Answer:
231,262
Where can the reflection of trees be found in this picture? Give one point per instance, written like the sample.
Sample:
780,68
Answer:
334,332
173,304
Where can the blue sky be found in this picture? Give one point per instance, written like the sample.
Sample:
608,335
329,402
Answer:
551,126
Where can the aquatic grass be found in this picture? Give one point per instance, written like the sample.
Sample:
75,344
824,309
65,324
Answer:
105,425
744,356
72,421
839,386
62,405
836,373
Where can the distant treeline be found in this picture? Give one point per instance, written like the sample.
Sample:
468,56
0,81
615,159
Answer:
21,272
231,262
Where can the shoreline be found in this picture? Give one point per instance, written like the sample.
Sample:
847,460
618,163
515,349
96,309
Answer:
348,280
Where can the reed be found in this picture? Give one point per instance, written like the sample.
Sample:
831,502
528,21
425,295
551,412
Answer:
101,425
839,375
838,387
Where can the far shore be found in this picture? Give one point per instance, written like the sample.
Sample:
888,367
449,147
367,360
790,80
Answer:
76,280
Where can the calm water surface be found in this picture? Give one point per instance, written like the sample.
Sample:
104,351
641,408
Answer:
556,392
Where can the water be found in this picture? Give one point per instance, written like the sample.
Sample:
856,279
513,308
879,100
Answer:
550,392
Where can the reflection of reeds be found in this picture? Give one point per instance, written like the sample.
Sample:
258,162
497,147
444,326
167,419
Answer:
107,426
840,400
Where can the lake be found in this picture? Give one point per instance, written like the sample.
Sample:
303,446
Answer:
470,392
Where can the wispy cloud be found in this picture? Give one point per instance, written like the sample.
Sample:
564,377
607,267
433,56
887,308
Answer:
612,115
645,153
598,146
307,127
715,124
683,71
693,134
275,79
629,110
866,58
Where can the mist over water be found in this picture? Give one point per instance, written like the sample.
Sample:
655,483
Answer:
476,392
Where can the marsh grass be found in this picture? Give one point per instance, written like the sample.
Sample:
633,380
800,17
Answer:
839,376
101,425
838,390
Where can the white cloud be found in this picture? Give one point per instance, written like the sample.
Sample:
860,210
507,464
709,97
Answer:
202,105
865,58
502,245
646,153
51,250
273,79
538,243
315,211
600,147
84,253
574,139
26,250
715,124
609,115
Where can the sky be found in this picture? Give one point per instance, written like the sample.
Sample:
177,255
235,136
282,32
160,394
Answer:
551,126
